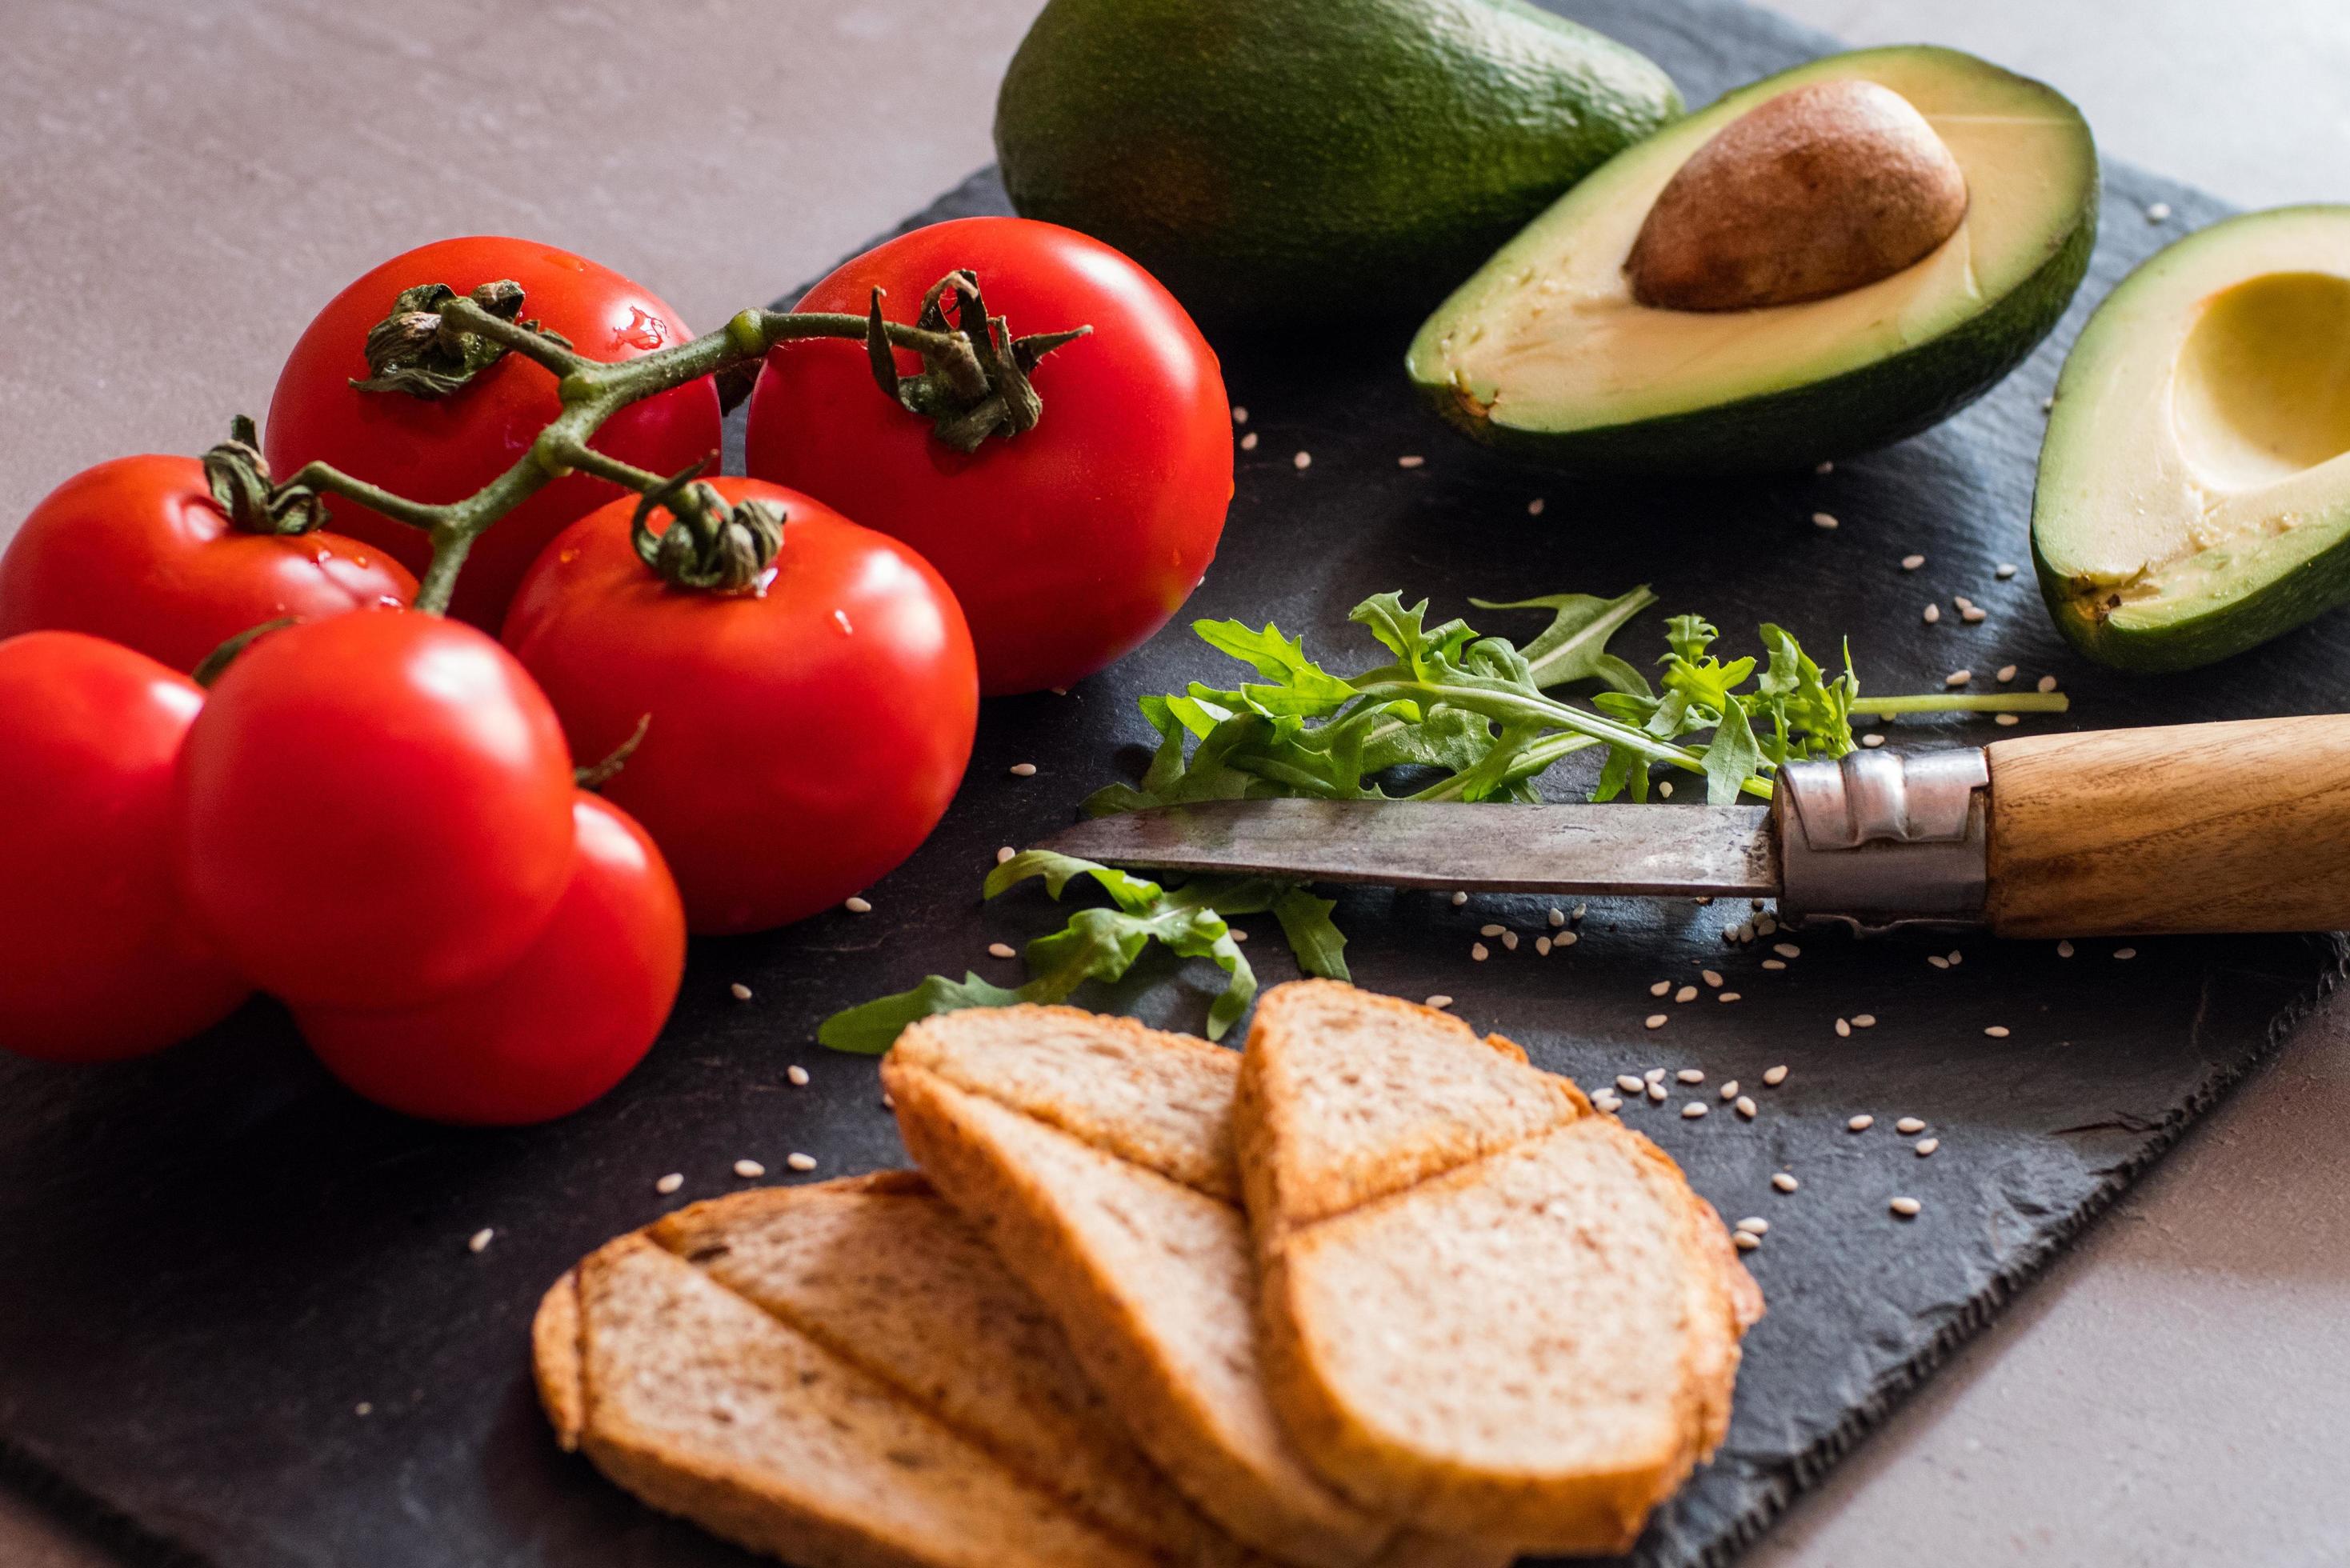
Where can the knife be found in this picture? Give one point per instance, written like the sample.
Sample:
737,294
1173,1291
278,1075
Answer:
2242,826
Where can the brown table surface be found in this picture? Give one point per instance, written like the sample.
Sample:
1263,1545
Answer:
187,180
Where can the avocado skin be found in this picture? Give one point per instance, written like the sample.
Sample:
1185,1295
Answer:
1819,422
2274,609
1279,161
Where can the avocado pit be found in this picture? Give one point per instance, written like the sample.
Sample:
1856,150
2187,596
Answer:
1821,190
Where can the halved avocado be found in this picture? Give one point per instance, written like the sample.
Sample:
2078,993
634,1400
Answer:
1546,350
2194,494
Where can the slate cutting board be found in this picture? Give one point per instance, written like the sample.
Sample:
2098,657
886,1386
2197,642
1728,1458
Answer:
211,1264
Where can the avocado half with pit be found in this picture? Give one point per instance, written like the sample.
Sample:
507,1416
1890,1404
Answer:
1574,344
2194,494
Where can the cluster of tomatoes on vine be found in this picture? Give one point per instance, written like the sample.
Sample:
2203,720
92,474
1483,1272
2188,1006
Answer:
374,813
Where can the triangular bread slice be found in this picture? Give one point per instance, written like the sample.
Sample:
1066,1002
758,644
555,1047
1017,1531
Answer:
1096,1155
1483,1307
844,1375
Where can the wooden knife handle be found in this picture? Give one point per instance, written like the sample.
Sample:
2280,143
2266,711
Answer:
2194,827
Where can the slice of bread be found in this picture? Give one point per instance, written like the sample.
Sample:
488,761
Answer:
844,1375
1096,1155
1483,1307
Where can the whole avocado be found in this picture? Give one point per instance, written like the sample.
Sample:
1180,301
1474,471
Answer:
1287,160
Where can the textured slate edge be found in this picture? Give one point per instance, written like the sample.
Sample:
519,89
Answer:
1772,1499
83,1513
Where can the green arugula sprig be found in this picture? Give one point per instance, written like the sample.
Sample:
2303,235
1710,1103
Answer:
1452,715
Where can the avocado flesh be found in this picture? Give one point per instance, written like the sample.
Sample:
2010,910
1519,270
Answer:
1547,350
2194,492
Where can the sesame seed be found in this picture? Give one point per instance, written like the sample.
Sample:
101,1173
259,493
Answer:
1542,947
1004,854
1408,461
1655,1076
1726,996
1656,1094
1439,1000
1745,1241
1565,939
1996,1031
1711,977
1909,1125
1661,987
1746,1107
480,1239
1248,441
1693,1110
1730,1089
1957,957
1824,468
1927,1146
1972,613
1933,614
1786,950
1905,1207
1861,1123
1534,507
1938,960
1240,415
1872,740
1960,601
857,906
740,991
1557,918
1630,1085
1491,931
1775,1076
1785,1182
1001,949
1459,898
2006,673
749,1169
1023,770
2064,949
2003,571
364,1408
669,1183
2125,952
1864,1021
1509,940
1958,677
1480,952
1843,1029
1755,1225
1772,963
2158,212
800,1161
2048,683
1692,1074
1665,790
1823,520
797,1075
1578,911
1911,563
1304,460
1686,993
2047,403
2005,720
1656,1020
1606,1101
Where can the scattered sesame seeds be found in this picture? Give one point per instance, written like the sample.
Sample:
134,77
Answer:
1534,507
1409,461
1909,1125
1542,947
1755,1225
1927,1146
2047,683
1630,1085
1972,613
1656,1020
1938,960
1459,898
749,1169
2158,212
1905,1207
1665,790
2003,571
1773,963
1655,1076
1240,414
2006,673
1565,939
1786,950
1510,941
1004,854
1578,912
2125,952
1693,1110
1746,1107
2006,721
1439,1000
480,1239
1557,918
797,1075
1248,441
1692,1074
1002,950
1911,563
1996,1031
1491,931
1730,1089
1656,1094
1843,1029
1861,1123
1304,460
739,992
1872,740
1480,952
1710,976
1958,677
669,1183
1745,1241
857,906
1824,520
800,1161
1661,987
1933,614
1775,1076
1606,1101
1023,770
1785,1182
1824,468
2048,402
1957,957
1726,996
2064,949
1864,1021
1686,993
364,1408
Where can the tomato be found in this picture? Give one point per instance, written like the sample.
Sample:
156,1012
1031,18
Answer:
1068,544
803,740
445,448
97,960
137,551
373,811
546,1036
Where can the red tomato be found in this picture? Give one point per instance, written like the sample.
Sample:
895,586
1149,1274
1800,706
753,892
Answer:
446,449
545,1037
137,551
374,811
1071,543
804,738
97,960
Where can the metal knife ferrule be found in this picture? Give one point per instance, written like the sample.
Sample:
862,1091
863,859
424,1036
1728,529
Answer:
1877,840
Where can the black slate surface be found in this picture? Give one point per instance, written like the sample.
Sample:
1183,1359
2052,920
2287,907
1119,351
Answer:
212,1262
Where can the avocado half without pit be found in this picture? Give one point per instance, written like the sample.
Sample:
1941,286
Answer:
2194,494
1817,264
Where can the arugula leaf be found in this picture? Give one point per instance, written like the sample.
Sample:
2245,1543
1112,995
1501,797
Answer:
873,1027
1312,935
1573,647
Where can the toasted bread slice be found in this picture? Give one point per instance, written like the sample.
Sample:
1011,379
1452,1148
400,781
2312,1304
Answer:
1522,1325
844,1375
1096,1155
